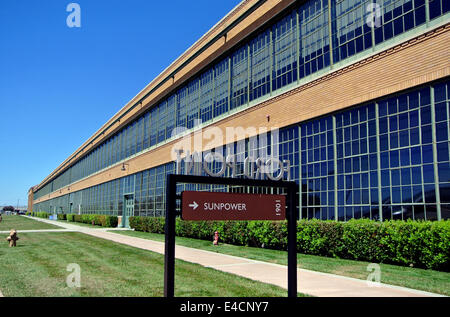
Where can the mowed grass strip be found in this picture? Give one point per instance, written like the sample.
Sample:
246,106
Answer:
420,279
80,224
38,267
22,223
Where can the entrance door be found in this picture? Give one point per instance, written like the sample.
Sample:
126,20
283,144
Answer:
129,210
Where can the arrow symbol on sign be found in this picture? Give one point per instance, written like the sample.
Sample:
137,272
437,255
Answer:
193,205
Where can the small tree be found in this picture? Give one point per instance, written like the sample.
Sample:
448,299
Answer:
9,208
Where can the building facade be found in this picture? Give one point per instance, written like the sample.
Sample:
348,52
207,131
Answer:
358,90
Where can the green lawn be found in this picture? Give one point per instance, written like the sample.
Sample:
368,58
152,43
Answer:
22,223
426,280
81,224
37,267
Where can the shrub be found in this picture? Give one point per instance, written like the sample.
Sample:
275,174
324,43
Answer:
41,214
422,244
108,221
99,220
86,218
147,224
61,217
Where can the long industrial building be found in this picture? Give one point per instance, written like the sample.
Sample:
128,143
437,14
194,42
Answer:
359,91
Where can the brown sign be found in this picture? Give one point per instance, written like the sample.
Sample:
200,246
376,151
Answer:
232,206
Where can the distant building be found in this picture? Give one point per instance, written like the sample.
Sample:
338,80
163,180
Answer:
360,93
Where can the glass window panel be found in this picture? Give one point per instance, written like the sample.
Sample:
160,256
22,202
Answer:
349,29
394,158
442,152
395,177
260,70
406,194
427,154
416,175
285,52
221,90
442,132
428,173
444,193
415,155
426,134
406,176
239,77
396,195
443,172
314,37
404,157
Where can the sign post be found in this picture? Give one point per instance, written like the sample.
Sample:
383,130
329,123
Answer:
229,206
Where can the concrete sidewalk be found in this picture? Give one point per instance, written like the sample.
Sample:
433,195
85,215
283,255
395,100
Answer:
309,282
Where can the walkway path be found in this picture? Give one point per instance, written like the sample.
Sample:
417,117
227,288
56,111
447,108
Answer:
309,282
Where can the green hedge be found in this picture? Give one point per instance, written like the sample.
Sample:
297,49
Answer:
61,217
40,214
98,220
424,244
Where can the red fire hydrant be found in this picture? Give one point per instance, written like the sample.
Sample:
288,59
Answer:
216,238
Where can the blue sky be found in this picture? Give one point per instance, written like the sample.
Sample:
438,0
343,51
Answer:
58,85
